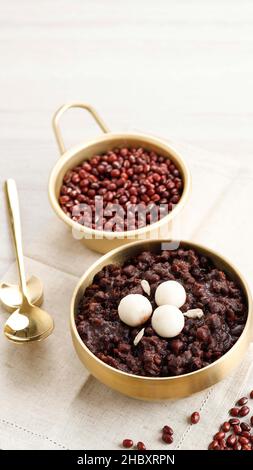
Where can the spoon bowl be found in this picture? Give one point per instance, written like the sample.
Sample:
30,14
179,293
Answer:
11,295
28,323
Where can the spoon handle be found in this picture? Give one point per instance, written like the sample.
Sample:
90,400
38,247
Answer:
14,216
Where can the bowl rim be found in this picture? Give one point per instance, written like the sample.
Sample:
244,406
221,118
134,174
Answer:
125,247
98,234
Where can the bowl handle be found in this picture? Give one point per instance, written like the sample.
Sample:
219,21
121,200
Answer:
61,111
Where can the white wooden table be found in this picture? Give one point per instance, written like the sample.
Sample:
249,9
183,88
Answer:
177,69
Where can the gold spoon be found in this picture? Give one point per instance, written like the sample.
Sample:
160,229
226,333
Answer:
11,296
28,323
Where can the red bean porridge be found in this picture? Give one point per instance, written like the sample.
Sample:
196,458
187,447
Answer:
202,340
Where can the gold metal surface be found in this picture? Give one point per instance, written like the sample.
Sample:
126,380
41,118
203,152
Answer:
28,322
147,388
62,110
95,239
11,296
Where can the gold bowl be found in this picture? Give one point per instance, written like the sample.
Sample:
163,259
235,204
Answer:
149,388
97,240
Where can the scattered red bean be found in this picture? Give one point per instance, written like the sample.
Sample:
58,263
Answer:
219,435
214,445
231,440
234,421
244,410
127,443
245,426
247,447
234,411
141,446
237,446
168,430
246,434
195,417
167,438
243,440
237,429
222,443
225,426
241,437
242,401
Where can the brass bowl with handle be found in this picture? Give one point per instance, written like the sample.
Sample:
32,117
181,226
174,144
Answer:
149,388
97,240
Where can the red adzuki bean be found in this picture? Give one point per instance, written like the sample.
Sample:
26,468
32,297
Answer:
141,446
242,401
244,410
231,440
167,438
234,411
226,426
214,445
245,426
167,430
237,429
234,421
237,446
195,417
241,437
243,440
246,434
127,443
219,435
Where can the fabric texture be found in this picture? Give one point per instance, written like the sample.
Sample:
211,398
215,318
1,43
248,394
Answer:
50,401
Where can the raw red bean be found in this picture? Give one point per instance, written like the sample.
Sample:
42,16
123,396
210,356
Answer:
226,426
139,173
233,421
86,166
231,440
124,152
127,443
245,426
219,435
247,447
214,445
251,420
251,394
234,411
195,417
141,446
246,434
244,410
75,178
237,446
168,430
243,440
242,401
222,443
167,438
237,429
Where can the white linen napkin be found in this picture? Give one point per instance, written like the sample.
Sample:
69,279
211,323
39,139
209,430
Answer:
49,400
